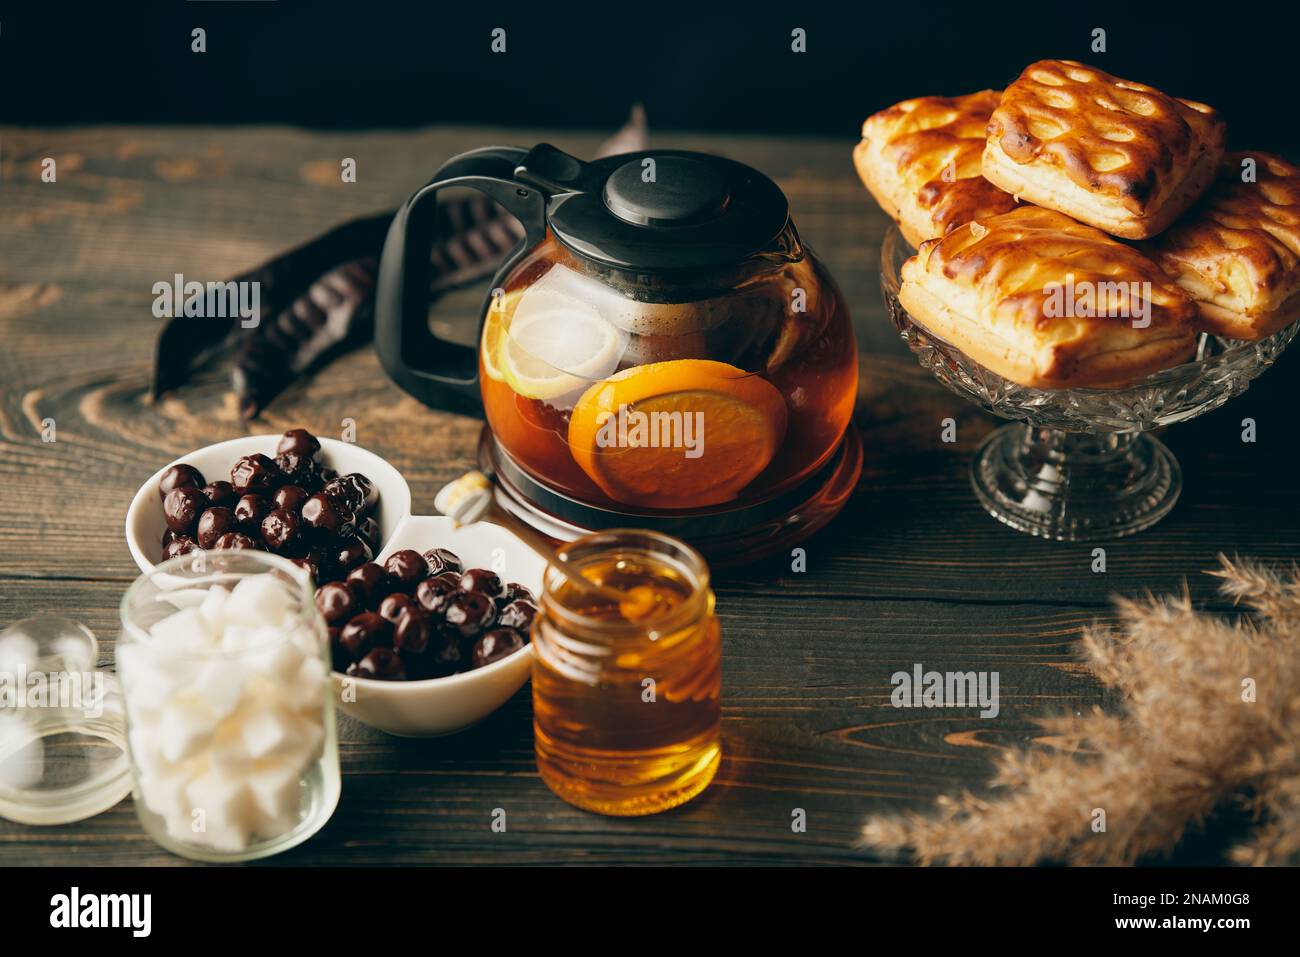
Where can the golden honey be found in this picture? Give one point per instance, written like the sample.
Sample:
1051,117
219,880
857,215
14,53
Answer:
626,695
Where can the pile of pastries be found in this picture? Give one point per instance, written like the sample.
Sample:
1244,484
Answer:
1079,230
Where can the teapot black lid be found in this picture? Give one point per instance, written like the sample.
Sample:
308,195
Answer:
657,209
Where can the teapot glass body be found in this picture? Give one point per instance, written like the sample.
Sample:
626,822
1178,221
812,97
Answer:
679,392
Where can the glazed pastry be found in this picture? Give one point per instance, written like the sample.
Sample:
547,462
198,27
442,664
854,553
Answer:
1117,155
921,161
1048,302
1238,252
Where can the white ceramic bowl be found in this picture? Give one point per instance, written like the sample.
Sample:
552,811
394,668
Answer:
439,706
144,519
436,706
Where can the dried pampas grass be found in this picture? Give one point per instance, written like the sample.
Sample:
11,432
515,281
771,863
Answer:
1211,714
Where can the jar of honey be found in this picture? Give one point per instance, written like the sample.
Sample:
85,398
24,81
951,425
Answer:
626,692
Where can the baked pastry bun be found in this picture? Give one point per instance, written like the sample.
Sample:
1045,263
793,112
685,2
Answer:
1238,252
1117,155
921,161
1048,302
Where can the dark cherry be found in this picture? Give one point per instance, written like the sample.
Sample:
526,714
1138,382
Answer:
309,566
180,545
382,664
299,442
406,568
337,603
355,490
495,645
368,532
255,473
370,581
351,553
442,560
290,497
325,515
518,614
432,594
481,580
412,632
235,540
168,537
339,657
392,606
444,655
179,476
513,592
467,613
322,553
280,529
420,667
221,493
250,510
368,490
214,523
365,631
182,508
348,492
300,470
335,490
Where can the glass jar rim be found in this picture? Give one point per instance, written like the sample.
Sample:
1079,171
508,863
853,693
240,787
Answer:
672,550
299,577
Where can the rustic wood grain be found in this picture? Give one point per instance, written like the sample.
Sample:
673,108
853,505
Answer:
912,572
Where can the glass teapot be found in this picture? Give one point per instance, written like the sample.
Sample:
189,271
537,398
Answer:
660,339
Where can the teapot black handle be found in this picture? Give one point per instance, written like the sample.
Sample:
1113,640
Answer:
435,371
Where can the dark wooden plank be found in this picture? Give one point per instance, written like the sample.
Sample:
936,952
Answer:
807,724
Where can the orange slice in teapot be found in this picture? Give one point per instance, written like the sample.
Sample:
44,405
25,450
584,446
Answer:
685,433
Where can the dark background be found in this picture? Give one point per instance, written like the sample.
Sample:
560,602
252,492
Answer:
695,66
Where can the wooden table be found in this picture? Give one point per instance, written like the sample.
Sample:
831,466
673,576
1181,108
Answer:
912,572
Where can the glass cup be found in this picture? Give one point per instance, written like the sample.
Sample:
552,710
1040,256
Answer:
224,666
626,694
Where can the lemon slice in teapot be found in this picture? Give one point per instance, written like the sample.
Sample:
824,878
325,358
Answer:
554,346
490,346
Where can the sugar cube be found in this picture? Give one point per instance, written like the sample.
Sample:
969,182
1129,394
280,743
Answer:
306,690
219,684
187,726
275,787
268,731
185,630
258,600
163,790
223,799
213,608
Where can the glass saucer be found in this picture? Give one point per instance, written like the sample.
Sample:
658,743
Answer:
1077,465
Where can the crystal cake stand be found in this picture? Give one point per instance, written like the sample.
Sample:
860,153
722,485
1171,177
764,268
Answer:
1078,464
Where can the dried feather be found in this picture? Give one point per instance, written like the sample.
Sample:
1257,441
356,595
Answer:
1188,740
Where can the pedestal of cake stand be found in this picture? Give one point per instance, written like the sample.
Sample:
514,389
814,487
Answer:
1075,487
